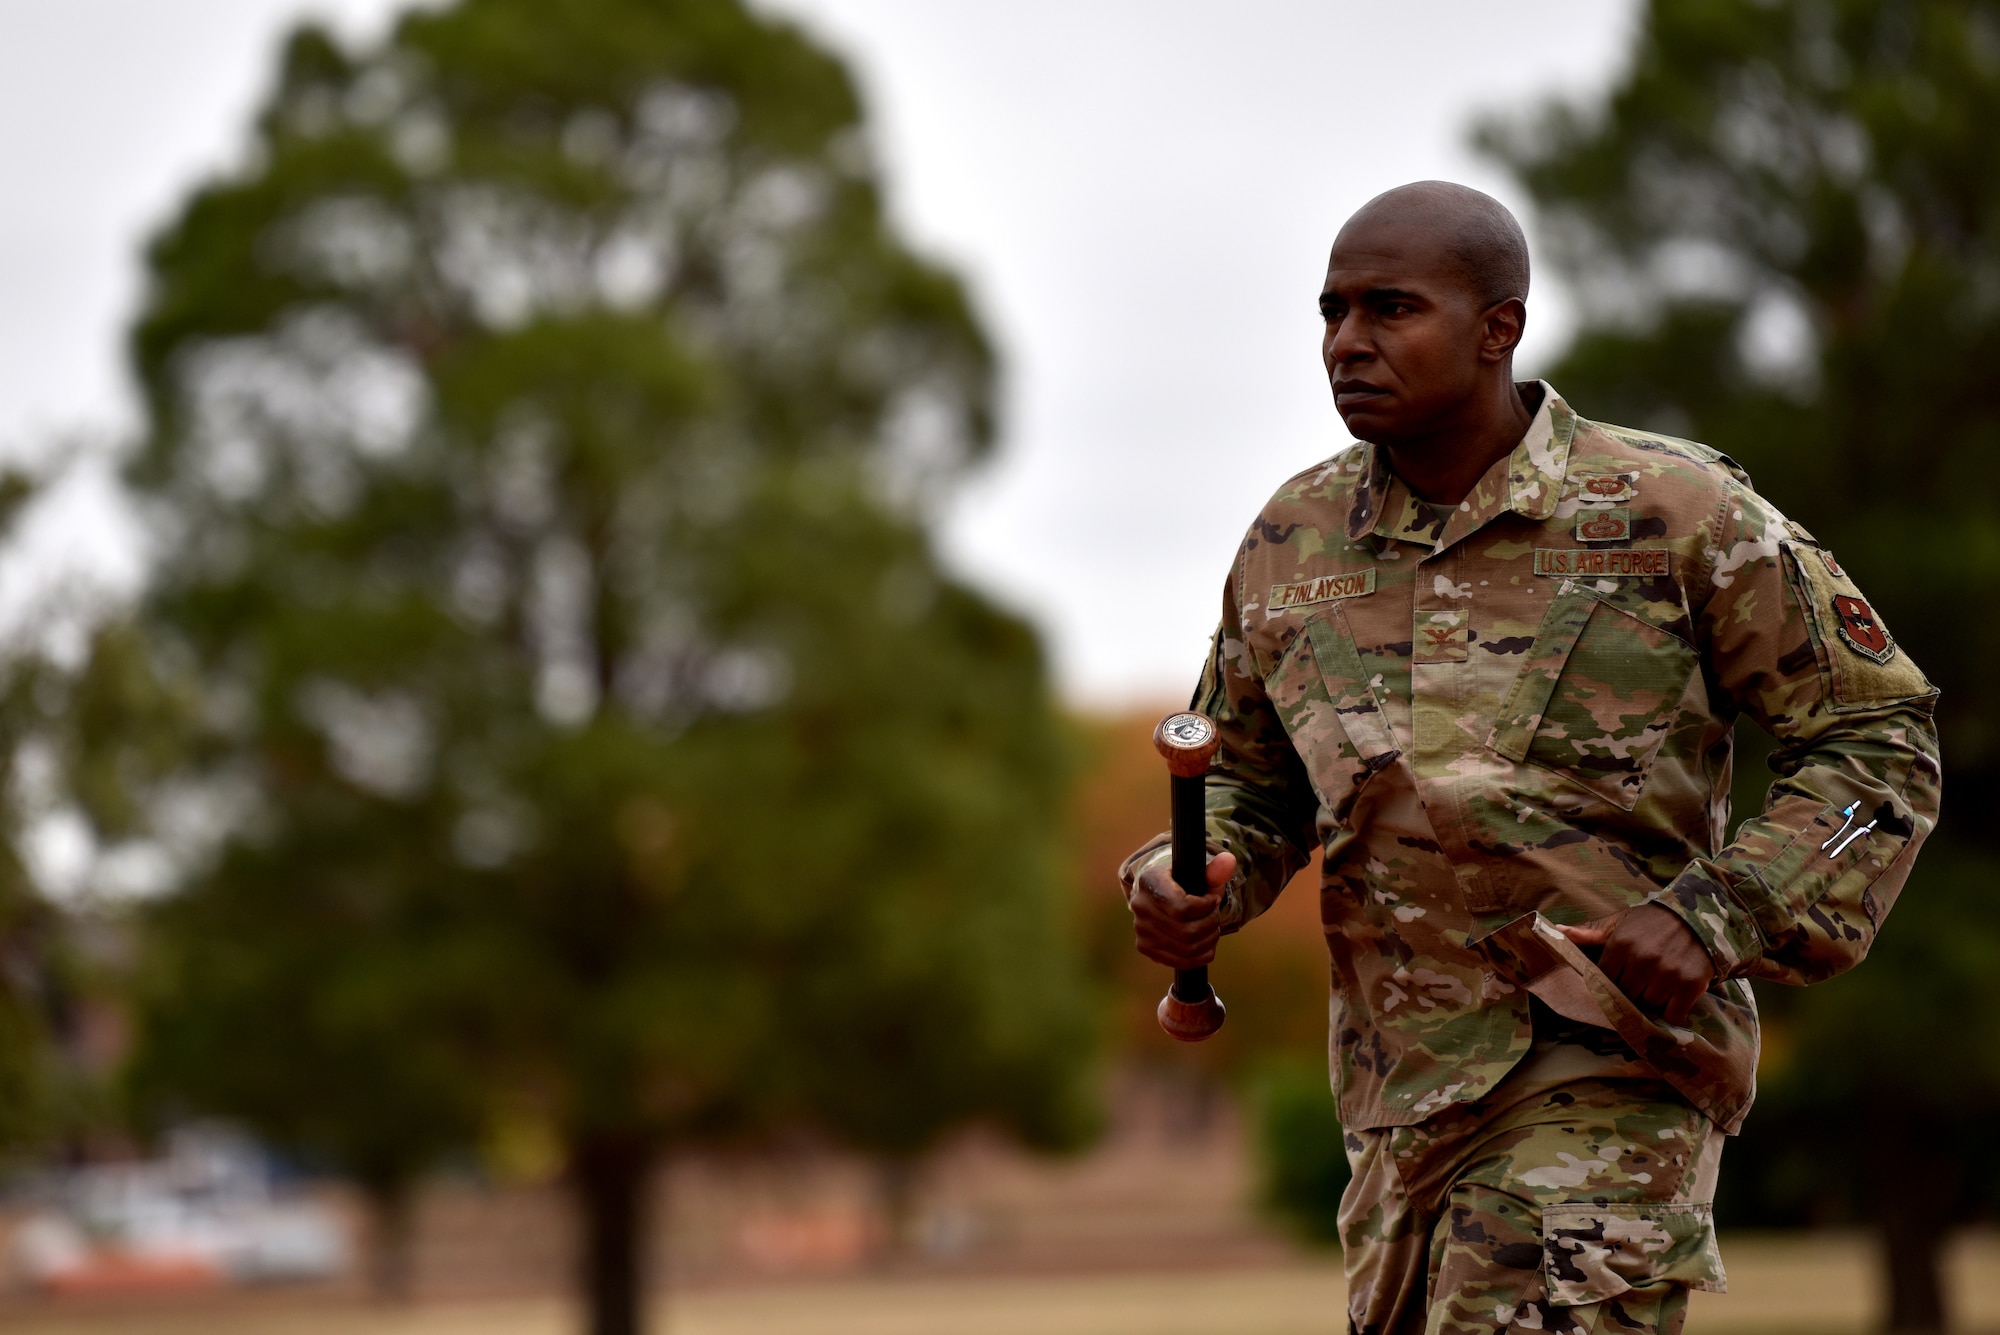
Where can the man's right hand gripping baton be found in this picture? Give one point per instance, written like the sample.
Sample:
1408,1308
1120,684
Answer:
1190,1011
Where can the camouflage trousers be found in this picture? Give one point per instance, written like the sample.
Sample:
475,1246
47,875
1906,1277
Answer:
1574,1198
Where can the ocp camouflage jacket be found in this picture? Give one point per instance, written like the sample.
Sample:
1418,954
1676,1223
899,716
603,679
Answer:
1526,705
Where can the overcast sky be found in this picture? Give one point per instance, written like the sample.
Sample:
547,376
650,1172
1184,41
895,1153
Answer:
1142,192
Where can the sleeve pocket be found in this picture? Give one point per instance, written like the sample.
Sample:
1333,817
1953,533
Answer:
1592,1253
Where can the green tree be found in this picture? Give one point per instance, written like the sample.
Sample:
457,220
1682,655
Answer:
1301,1148
542,428
56,1091
294,990
1783,225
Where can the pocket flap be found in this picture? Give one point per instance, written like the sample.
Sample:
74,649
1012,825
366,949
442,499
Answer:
1535,680
1592,1252
1354,697
1600,689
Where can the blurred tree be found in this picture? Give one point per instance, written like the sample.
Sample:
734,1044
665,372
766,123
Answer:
1301,1148
50,1092
1783,229
1272,1054
1272,976
542,429
296,989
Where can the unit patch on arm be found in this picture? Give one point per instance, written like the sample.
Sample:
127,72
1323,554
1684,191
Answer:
1861,631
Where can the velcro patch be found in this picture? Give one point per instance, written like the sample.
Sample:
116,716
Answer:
1324,589
1856,651
1624,564
1603,525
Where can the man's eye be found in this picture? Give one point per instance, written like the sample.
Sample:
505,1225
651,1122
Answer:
1398,308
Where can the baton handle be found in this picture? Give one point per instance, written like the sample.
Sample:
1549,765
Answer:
1190,1011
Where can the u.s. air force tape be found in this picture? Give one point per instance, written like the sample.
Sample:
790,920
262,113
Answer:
1600,564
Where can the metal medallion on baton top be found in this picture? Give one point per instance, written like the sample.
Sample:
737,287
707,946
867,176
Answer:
1188,731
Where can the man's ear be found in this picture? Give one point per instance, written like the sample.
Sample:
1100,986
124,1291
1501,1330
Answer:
1500,329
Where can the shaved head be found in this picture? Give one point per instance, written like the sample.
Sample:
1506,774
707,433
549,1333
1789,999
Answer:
1475,231
1424,302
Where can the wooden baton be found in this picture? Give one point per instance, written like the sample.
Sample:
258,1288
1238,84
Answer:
1190,1011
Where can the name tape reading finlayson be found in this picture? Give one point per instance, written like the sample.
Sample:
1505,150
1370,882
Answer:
1322,590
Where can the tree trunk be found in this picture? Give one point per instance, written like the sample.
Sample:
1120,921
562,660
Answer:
1916,1190
610,1175
391,1219
896,1187
1914,1258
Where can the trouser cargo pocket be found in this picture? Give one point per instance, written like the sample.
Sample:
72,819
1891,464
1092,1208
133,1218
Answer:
1595,1253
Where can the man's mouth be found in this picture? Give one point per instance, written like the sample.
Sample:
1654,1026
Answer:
1356,391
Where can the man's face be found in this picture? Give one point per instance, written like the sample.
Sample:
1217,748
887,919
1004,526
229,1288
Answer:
1404,332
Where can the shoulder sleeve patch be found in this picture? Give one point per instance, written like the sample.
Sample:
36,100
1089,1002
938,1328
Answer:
1863,663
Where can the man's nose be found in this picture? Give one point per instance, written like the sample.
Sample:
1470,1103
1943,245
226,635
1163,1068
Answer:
1348,341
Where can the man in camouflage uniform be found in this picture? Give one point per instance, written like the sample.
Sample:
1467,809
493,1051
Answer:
1487,661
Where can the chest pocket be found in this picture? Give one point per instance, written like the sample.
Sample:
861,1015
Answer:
1601,687
1332,712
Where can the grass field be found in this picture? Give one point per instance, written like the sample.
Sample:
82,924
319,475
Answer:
1779,1286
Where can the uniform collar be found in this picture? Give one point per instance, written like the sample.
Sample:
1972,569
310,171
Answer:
1527,482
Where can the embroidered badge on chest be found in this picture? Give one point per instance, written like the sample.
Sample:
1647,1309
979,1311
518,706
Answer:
1603,525
1442,636
1860,631
1605,488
